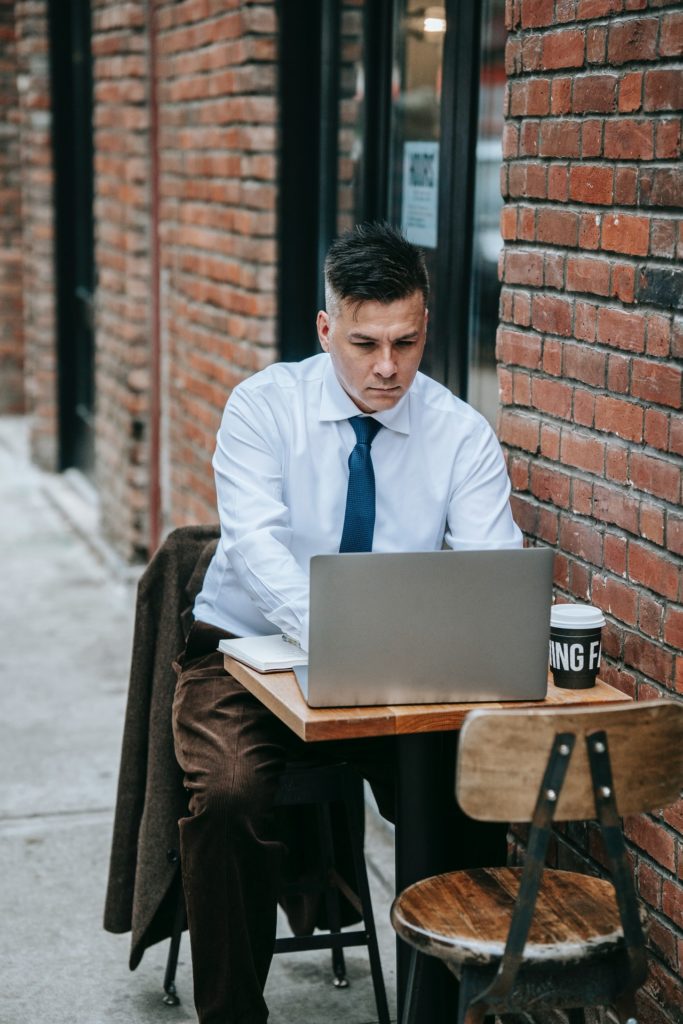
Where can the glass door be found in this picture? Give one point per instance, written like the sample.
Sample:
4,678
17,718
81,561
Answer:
482,378
401,118
416,87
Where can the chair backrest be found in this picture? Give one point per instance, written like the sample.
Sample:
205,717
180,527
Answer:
502,756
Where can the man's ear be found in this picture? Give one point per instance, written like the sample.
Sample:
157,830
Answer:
322,322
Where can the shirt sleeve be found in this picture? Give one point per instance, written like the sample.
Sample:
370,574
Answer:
479,513
255,520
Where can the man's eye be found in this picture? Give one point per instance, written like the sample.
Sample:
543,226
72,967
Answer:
408,343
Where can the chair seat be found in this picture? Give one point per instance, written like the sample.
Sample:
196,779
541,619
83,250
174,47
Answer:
464,916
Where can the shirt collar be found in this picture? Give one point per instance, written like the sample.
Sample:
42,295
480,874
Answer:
335,404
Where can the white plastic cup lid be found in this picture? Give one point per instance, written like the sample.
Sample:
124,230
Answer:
580,616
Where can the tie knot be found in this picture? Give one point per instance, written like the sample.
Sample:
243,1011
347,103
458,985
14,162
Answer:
365,428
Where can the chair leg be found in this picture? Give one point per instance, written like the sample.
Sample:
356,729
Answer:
171,997
355,809
339,968
331,894
468,1014
412,987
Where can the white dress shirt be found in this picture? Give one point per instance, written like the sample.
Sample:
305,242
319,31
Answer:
281,466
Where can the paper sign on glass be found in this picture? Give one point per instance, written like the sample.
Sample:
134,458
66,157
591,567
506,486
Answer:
420,192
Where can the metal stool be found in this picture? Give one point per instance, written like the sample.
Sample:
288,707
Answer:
319,785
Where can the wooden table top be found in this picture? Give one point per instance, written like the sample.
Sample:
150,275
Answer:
280,692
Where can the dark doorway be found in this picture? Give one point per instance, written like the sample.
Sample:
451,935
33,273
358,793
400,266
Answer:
308,93
71,90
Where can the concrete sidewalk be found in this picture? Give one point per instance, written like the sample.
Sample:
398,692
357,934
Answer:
66,635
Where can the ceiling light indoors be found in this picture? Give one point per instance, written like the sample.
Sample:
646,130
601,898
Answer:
434,21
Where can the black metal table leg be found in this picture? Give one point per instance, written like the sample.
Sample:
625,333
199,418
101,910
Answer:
432,836
424,808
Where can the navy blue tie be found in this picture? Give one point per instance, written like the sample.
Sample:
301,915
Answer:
359,518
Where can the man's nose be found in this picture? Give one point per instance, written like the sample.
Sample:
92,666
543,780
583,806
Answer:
386,364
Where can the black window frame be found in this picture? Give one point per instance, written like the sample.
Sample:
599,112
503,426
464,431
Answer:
309,102
71,90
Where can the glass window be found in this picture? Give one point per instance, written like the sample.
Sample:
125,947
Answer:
482,381
415,134
390,116
351,114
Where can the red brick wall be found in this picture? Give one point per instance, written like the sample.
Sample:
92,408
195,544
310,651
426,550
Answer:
216,80
122,257
11,320
37,223
590,351
216,139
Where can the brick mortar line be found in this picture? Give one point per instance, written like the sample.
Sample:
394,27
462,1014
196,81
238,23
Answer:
594,346
615,531
670,62
667,455
212,154
615,306
210,333
621,624
662,692
612,303
603,255
260,346
670,876
561,206
602,162
598,434
533,245
602,525
212,101
602,21
223,257
659,915
587,477
188,275
594,69
614,528
576,115
210,19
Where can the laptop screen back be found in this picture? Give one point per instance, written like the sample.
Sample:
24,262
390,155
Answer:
429,627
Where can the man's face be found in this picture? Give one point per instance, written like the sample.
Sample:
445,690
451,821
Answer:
375,348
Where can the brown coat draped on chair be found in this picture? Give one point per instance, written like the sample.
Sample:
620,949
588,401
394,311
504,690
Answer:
144,876
143,872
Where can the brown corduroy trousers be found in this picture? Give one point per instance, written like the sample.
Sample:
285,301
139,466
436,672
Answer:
232,751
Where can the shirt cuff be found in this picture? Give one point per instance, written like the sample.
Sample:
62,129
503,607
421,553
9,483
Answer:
303,634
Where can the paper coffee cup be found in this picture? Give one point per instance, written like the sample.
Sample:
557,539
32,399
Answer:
575,644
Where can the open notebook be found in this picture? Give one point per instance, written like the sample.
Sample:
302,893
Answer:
265,653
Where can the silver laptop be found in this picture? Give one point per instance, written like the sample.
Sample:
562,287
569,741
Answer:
428,627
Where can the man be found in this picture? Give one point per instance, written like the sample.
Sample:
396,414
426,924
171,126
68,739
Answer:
300,451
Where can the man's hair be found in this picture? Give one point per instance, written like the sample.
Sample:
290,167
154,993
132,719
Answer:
374,262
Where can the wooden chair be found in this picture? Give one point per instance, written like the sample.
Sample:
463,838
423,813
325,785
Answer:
521,939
